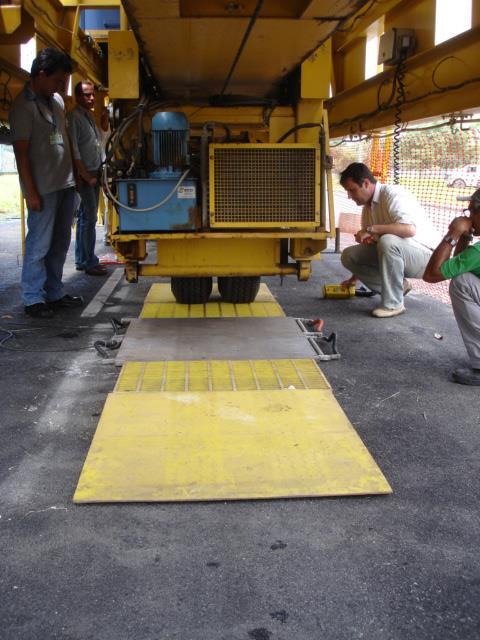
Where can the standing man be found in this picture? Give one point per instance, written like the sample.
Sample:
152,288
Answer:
42,152
395,240
88,156
464,270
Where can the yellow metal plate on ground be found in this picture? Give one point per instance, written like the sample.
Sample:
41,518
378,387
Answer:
221,375
228,445
160,303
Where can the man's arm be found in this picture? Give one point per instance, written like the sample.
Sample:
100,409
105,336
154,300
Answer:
459,230
32,197
400,229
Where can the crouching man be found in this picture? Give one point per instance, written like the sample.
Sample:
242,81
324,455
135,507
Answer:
395,242
463,269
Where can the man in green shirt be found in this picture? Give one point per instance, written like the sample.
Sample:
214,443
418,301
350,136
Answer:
464,271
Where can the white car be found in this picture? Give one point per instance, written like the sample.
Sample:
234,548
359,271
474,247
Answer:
467,176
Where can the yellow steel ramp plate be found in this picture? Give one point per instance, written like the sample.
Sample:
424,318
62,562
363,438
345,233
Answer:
160,303
221,375
225,445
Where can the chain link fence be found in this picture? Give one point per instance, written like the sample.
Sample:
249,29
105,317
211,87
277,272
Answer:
437,163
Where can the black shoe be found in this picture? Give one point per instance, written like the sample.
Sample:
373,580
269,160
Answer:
38,310
66,302
363,292
466,376
97,270
79,268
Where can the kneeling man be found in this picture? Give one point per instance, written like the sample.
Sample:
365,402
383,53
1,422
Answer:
463,269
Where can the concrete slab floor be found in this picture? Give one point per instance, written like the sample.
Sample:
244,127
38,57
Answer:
404,566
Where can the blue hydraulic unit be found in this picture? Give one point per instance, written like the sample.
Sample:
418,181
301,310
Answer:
167,199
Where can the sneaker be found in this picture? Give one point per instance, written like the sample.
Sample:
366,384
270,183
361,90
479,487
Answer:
407,287
97,270
66,302
38,310
466,376
383,312
79,267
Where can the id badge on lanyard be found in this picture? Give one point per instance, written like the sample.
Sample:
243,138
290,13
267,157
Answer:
56,138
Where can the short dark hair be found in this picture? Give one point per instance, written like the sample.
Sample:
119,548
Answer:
78,91
50,60
358,172
475,199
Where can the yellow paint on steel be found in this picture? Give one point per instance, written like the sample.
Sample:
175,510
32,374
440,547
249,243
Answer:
123,75
189,446
220,375
160,303
10,18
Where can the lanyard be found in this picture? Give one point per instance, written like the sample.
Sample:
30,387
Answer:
53,122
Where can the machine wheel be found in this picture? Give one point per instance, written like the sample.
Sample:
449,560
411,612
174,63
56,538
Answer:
458,183
191,290
239,289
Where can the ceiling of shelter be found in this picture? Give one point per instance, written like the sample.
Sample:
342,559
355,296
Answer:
190,45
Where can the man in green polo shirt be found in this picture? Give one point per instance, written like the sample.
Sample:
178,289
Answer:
463,269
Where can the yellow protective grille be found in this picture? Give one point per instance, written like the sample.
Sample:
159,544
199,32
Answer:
257,185
221,375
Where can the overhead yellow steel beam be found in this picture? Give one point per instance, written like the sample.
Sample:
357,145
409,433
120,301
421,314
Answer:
360,22
91,4
442,80
59,26
10,18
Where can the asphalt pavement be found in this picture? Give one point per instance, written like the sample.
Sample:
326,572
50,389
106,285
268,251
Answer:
398,567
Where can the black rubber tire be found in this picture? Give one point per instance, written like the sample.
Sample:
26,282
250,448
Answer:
191,290
239,289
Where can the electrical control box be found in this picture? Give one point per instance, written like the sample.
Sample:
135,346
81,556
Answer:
395,46
177,214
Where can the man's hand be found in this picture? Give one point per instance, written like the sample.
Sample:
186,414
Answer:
350,282
89,178
364,237
34,201
461,226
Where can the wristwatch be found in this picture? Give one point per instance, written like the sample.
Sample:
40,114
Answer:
450,240
370,229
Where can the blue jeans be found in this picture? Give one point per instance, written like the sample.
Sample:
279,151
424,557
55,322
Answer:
46,246
85,236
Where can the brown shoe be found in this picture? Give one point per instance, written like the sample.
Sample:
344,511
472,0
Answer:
466,376
97,270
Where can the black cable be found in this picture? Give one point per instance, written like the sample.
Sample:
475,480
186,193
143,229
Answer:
437,86
375,112
10,334
306,125
400,82
339,29
253,19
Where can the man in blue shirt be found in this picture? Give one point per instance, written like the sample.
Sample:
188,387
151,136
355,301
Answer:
44,163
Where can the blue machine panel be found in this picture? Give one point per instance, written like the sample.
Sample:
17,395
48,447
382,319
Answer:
178,214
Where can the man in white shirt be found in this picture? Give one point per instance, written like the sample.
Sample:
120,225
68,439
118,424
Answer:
394,242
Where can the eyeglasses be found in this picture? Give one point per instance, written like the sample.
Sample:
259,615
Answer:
88,95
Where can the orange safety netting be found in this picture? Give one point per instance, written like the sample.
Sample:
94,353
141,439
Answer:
436,164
